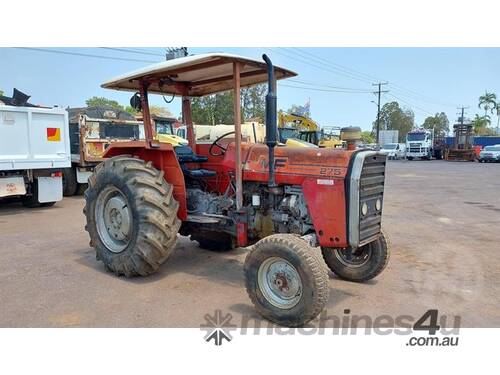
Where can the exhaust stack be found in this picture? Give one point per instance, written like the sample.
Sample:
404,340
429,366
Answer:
271,119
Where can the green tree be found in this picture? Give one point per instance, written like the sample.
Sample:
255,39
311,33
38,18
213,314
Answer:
487,102
1,92
393,117
367,137
497,107
481,125
153,110
218,108
131,110
253,102
102,101
439,122
213,109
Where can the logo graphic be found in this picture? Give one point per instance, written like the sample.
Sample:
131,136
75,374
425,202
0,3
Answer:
53,134
218,327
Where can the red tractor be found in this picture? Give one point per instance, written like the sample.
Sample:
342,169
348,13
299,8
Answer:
284,202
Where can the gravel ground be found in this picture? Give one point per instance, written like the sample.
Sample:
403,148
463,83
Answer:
442,219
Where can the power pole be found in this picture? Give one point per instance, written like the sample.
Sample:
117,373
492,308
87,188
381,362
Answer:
462,114
379,92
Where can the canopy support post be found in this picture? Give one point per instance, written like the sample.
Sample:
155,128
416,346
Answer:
146,116
241,224
188,121
237,135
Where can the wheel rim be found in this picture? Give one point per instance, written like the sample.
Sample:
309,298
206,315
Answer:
354,259
280,283
114,219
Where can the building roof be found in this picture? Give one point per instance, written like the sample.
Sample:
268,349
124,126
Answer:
202,74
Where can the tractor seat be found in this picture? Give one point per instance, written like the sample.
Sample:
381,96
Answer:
186,155
198,173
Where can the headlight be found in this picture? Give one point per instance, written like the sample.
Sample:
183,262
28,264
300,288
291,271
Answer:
378,205
364,209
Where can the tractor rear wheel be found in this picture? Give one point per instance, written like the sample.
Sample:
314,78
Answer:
361,265
286,280
131,216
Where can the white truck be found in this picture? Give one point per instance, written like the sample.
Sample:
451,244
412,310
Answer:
419,144
34,148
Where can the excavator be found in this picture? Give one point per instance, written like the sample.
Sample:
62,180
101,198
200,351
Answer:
299,131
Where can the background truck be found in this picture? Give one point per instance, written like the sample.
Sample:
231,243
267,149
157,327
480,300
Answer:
420,143
92,129
34,148
388,136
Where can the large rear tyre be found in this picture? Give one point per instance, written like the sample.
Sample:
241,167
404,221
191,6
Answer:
131,216
364,264
286,280
70,184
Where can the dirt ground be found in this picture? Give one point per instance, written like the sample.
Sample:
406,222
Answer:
442,218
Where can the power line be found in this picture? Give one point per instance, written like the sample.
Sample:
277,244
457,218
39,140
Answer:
348,72
397,87
84,54
423,98
320,67
324,90
128,50
328,86
412,105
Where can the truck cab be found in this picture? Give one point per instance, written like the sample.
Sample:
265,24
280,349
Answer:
34,149
419,144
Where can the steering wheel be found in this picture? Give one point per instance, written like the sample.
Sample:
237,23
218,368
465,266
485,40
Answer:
216,144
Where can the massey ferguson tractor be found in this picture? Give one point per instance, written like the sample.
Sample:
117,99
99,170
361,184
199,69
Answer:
282,203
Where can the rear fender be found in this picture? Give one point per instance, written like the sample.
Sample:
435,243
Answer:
163,158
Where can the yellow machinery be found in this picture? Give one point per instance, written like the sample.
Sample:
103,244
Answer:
172,139
300,131
165,130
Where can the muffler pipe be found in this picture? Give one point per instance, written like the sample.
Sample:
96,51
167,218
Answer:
271,119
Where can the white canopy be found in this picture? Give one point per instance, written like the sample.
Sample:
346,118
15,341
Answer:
196,75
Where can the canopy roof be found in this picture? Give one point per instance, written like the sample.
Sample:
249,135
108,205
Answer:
196,75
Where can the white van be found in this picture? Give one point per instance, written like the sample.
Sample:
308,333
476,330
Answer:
394,150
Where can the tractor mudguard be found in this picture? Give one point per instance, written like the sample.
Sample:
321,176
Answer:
163,158
325,199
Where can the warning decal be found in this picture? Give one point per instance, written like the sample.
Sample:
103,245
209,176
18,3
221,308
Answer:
53,134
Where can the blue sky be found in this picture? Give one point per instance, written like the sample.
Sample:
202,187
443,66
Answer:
428,80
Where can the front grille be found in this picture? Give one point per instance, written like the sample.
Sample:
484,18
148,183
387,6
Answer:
414,149
371,189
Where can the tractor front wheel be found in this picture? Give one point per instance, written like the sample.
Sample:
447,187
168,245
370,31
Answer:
360,265
286,280
131,216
